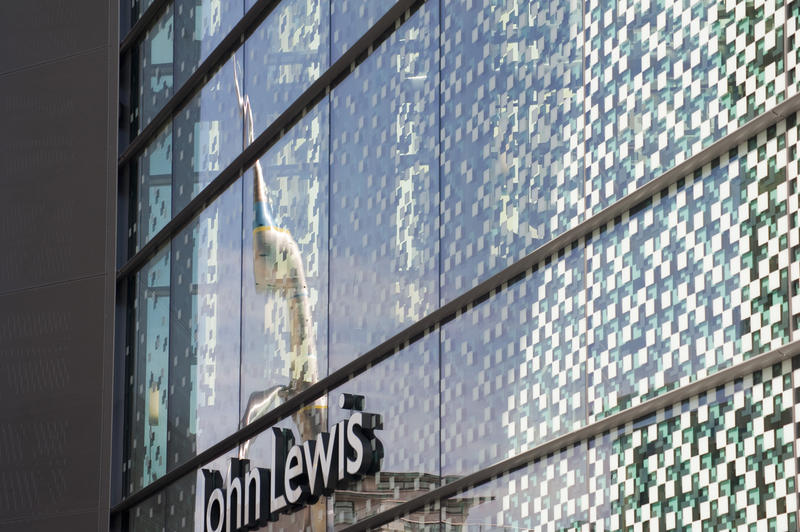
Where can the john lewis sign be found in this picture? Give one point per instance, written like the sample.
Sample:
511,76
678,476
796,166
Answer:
299,474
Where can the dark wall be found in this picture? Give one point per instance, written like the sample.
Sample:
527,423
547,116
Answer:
58,105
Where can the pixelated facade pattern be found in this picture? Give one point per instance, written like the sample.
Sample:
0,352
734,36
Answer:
511,140
287,52
205,305
152,173
514,367
404,391
206,134
694,282
147,363
200,25
664,79
384,191
722,460
497,125
152,76
352,18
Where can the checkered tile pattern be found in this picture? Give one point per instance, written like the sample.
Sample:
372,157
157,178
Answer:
721,461
517,364
793,178
792,51
548,495
694,281
690,282
664,79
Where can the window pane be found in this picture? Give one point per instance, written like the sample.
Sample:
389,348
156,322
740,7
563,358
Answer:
514,368
200,25
183,362
404,391
152,73
287,52
205,327
207,133
385,191
351,19
663,82
720,460
511,111
153,190
147,360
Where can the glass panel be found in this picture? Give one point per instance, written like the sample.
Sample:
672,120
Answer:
284,56
512,132
205,328
148,516
404,391
184,356
176,508
151,80
721,460
147,361
260,451
200,25
285,268
384,185
662,82
350,19
514,372
202,140
548,494
690,282
694,282
208,134
153,190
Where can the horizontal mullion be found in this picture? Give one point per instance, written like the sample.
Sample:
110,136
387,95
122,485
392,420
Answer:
224,50
141,26
479,293
582,434
315,93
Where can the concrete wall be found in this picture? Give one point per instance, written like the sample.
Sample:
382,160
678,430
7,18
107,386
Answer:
58,127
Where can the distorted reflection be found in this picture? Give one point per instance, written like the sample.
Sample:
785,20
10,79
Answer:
278,269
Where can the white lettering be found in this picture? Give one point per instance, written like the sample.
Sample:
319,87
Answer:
294,471
355,464
320,457
219,499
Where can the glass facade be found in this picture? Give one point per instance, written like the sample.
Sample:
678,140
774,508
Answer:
450,233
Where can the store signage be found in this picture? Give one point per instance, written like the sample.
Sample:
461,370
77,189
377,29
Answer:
250,497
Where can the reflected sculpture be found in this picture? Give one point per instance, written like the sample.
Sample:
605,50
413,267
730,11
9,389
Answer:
278,268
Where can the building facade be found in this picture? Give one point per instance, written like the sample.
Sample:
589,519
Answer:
507,264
